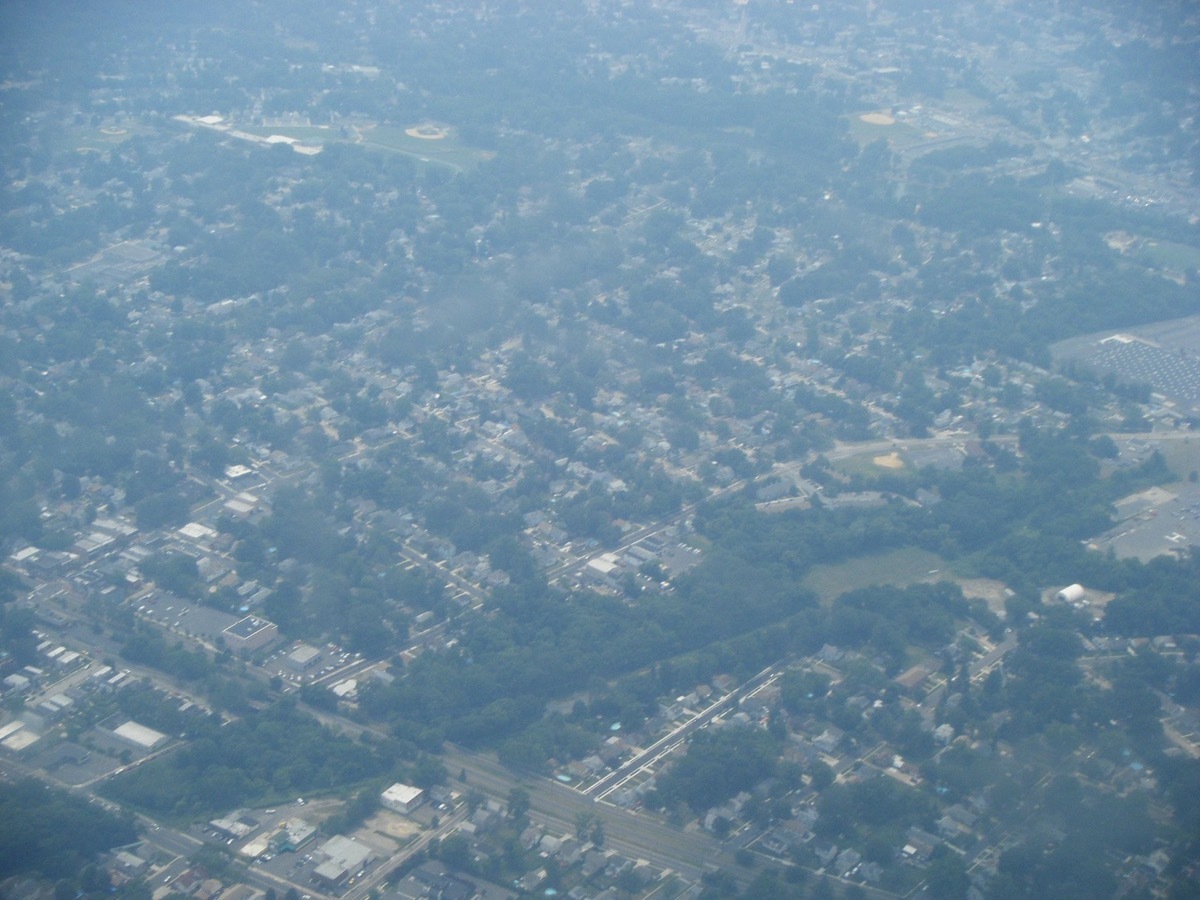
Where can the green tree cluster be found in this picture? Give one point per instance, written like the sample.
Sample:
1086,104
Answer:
45,831
274,753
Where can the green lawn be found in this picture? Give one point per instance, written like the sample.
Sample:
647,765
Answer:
100,139
897,567
309,134
1169,254
447,151
964,101
900,135
866,466
1183,457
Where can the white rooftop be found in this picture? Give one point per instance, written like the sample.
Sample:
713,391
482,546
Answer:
196,531
140,734
402,794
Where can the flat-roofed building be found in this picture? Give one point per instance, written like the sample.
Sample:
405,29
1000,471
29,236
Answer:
292,835
234,827
303,658
243,505
196,532
343,857
250,633
20,740
146,738
402,798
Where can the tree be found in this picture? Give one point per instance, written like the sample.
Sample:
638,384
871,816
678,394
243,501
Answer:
822,776
718,765
948,878
585,822
518,803
475,798
455,852
47,831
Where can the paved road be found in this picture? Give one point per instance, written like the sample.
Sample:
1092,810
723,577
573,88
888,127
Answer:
169,841
677,736
984,665
574,567
368,883
636,835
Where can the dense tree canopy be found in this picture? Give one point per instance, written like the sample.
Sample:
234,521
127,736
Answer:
47,832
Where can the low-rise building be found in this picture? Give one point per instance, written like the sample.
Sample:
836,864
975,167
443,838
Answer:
250,633
402,798
146,738
343,857
303,658
292,835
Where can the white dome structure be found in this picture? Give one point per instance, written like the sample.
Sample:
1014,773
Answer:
1073,593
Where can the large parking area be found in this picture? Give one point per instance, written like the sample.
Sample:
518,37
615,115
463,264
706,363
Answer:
1155,523
1165,356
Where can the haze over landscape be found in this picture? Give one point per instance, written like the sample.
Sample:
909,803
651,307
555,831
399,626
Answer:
678,448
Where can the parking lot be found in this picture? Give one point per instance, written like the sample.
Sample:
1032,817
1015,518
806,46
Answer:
1154,524
1163,355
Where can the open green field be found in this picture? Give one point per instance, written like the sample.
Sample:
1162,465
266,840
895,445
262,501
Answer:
100,139
900,135
965,101
1183,457
1169,254
866,466
897,567
446,151
309,134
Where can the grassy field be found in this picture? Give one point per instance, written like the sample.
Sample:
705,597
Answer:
1183,457
446,151
866,466
900,135
100,139
1169,254
963,101
308,134
897,567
